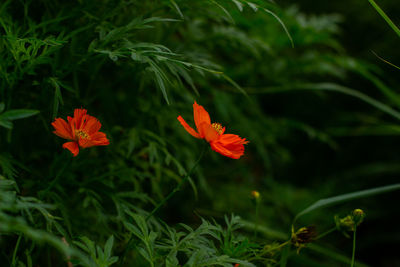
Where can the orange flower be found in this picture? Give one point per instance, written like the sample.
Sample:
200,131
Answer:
82,130
229,145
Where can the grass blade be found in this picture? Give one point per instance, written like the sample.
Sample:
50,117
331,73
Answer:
173,3
385,17
16,114
325,202
282,24
336,88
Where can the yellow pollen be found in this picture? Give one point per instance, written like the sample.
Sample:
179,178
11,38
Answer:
81,134
218,127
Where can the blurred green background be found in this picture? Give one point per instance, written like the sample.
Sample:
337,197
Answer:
321,117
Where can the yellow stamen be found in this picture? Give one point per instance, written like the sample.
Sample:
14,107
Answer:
81,134
218,127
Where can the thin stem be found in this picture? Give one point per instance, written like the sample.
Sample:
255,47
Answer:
178,187
15,251
326,233
272,249
354,248
256,224
278,247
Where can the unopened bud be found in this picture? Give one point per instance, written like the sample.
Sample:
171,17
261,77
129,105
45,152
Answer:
358,216
344,224
350,222
255,194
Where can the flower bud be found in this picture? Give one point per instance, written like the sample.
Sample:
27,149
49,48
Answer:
255,194
358,216
350,222
344,224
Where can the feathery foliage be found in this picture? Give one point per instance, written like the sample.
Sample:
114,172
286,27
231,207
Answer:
322,124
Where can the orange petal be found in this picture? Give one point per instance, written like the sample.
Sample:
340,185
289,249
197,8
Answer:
79,115
200,116
85,143
73,147
97,139
62,129
71,122
209,133
188,128
229,145
91,125
232,138
100,139
218,147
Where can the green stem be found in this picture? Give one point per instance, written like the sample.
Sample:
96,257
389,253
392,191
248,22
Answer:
269,250
15,251
326,233
256,224
278,247
178,187
354,247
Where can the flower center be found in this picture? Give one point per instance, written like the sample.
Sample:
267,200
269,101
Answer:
81,134
218,127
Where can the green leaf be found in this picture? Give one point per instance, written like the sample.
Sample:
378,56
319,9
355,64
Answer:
177,8
239,5
159,79
108,246
112,260
100,254
134,230
57,96
2,106
6,123
145,255
6,184
253,6
282,24
325,202
285,256
237,86
224,10
16,114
